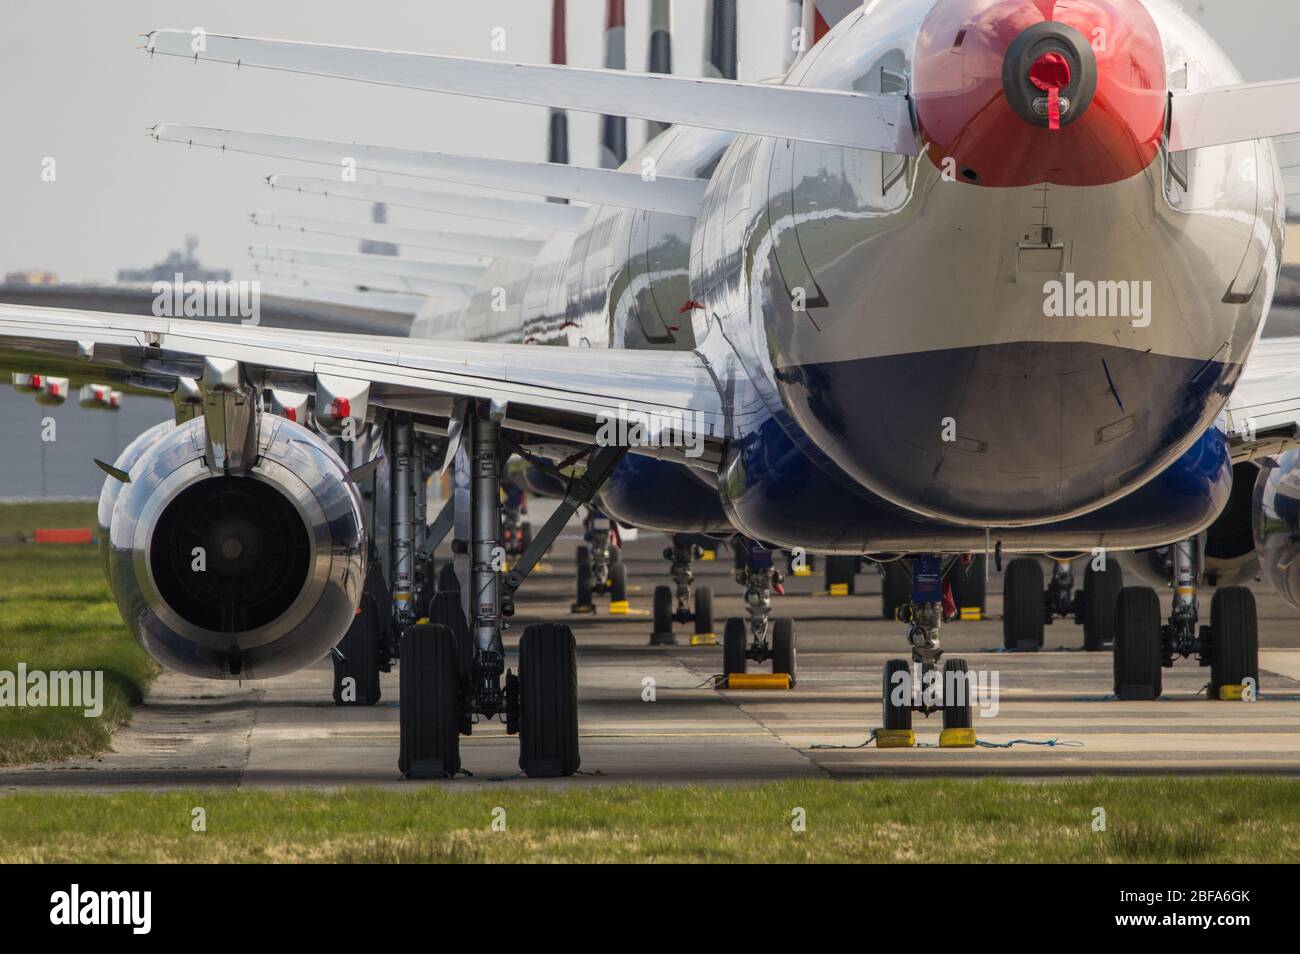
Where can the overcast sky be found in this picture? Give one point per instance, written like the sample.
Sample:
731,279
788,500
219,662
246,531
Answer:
75,88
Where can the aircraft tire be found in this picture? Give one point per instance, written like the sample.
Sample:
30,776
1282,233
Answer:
548,701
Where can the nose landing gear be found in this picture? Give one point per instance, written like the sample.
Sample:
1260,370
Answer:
918,684
683,553
600,571
759,639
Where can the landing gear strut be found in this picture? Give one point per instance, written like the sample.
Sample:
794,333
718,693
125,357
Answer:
909,685
683,553
759,638
449,685
1229,645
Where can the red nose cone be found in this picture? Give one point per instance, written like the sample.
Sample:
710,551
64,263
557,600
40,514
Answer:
1020,92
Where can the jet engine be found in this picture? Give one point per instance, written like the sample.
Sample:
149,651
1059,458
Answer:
234,575
1226,549
1277,525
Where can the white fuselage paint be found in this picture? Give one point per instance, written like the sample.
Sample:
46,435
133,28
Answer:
911,264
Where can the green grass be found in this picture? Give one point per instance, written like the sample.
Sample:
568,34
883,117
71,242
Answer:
1151,820
56,614
16,518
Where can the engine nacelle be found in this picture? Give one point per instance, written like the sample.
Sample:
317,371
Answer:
1277,525
1226,549
234,576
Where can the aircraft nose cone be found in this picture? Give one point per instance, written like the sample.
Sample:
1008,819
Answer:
1049,75
1014,93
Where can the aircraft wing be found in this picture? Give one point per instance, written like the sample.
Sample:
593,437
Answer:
354,314
673,195
835,117
557,394
1228,114
1263,414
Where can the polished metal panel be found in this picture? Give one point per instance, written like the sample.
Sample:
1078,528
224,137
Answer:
108,494
232,410
295,464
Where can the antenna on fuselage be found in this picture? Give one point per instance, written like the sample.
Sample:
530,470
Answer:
660,59
613,129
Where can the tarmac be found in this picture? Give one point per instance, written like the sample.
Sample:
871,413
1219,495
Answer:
649,715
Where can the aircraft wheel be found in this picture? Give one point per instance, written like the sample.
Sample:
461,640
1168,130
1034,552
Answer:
548,701
1100,593
895,588
896,695
586,590
445,610
785,653
1234,639
703,611
969,585
733,647
618,583
1022,605
1137,644
429,716
842,571
956,695
582,556
360,662
662,616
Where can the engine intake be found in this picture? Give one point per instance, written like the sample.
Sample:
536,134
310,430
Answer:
226,576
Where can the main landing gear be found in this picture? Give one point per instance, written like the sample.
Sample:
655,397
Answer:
453,672
372,642
1028,605
759,638
1229,645
683,553
600,570
919,684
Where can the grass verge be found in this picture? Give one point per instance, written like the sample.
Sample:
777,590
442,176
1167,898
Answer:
56,614
1148,820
